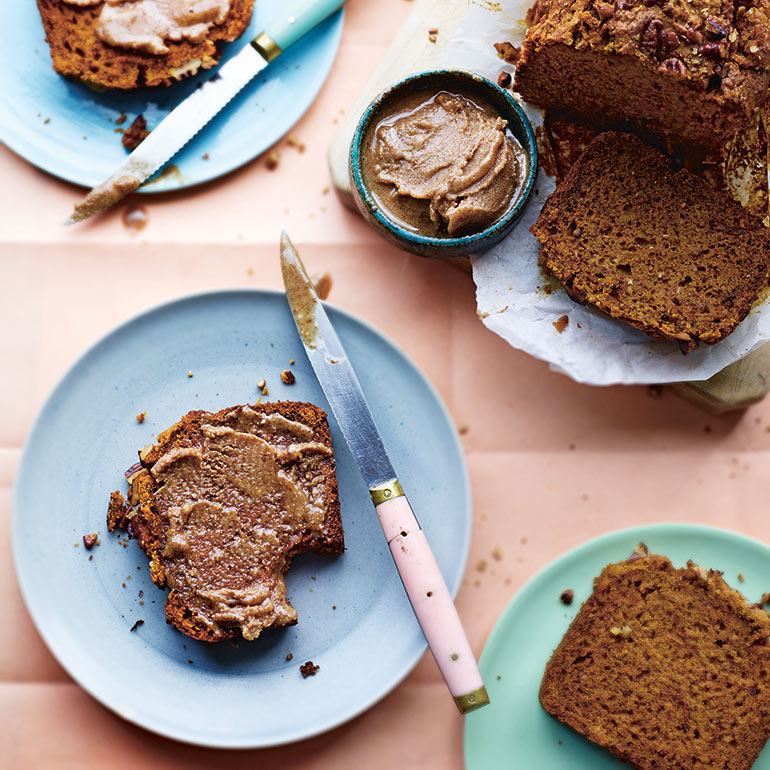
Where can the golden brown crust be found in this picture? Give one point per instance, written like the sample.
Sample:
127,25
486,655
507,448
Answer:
652,245
667,668
696,71
77,51
149,526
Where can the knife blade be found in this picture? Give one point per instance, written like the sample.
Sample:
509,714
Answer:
420,574
191,115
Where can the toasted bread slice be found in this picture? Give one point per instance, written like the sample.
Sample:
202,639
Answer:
78,52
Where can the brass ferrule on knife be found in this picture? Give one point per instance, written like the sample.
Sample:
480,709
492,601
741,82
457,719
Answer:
386,491
472,700
266,47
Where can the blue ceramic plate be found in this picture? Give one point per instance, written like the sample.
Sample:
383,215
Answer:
514,730
68,129
355,621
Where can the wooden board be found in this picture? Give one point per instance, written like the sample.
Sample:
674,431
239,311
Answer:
737,386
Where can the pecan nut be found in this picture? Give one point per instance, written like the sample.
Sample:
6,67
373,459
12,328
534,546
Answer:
656,41
673,65
716,29
689,34
605,10
710,50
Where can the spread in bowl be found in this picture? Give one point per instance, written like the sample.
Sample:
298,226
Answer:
442,163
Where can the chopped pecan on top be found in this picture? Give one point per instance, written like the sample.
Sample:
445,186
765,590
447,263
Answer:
657,41
673,65
605,10
689,34
711,50
716,29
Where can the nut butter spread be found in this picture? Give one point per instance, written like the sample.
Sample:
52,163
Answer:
443,164
237,503
148,25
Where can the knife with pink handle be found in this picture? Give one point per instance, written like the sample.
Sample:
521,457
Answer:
420,574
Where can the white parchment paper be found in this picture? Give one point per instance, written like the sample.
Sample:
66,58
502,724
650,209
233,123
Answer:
593,349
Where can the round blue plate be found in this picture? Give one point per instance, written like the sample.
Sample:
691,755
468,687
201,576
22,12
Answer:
68,129
514,730
355,621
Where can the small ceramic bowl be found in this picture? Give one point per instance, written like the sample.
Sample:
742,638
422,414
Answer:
461,82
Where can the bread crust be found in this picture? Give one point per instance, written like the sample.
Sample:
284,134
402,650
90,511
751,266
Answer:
695,72
78,52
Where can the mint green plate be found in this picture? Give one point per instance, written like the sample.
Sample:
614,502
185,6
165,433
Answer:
514,731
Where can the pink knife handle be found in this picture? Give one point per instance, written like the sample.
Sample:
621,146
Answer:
432,603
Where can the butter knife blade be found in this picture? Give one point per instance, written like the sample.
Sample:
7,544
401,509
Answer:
427,591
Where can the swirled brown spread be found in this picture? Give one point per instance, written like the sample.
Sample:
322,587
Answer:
148,25
225,501
443,164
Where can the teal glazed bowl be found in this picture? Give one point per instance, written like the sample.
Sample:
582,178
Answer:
473,86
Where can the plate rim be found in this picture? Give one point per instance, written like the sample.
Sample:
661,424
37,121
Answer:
532,585
337,21
77,676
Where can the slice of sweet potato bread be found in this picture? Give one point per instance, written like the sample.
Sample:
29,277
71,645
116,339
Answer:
652,245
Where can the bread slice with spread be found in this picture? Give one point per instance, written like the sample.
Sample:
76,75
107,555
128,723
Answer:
133,43
222,503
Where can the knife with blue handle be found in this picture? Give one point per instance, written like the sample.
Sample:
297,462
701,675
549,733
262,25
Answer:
189,117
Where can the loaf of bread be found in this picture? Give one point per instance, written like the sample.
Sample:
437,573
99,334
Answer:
669,669
222,503
652,245
78,51
696,72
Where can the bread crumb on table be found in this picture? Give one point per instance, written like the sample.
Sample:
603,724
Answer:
272,160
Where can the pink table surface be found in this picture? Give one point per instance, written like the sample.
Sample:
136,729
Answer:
552,463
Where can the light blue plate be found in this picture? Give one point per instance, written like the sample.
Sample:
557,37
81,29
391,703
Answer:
514,731
79,142
87,434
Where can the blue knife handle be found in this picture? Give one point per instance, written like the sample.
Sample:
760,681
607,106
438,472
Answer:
298,18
